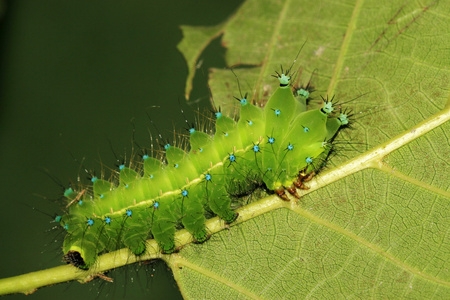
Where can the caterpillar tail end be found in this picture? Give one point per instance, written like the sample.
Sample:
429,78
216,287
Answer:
75,258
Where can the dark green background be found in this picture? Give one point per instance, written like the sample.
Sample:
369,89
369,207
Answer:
73,76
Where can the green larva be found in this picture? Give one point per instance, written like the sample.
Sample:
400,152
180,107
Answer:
281,146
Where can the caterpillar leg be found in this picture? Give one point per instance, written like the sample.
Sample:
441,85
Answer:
299,184
281,193
164,234
194,221
220,203
293,191
302,178
307,177
202,240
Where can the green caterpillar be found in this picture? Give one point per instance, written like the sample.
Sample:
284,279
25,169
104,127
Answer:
282,146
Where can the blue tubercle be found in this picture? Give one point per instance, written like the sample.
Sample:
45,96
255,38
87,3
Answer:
303,93
68,192
328,107
344,119
284,79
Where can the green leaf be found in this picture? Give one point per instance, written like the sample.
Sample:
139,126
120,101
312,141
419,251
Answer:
195,40
374,224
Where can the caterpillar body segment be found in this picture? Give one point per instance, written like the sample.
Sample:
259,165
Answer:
279,147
